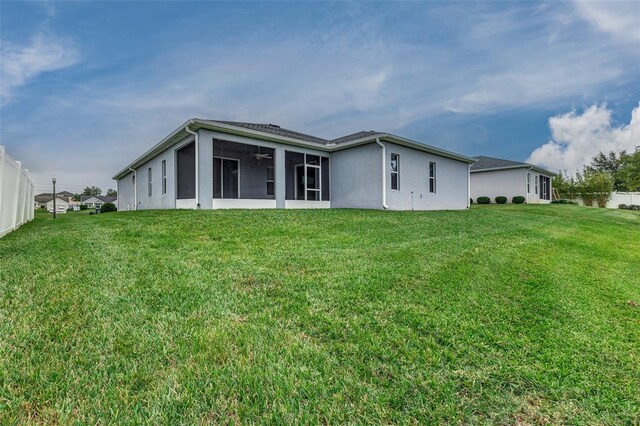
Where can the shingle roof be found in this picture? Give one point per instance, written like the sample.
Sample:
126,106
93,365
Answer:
46,197
99,197
355,136
274,129
495,163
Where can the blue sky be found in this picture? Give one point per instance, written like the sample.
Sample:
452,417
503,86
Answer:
88,86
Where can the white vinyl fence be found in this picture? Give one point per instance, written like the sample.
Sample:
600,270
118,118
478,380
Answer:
16,194
616,199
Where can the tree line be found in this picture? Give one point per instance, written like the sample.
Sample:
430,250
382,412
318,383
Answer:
606,173
95,191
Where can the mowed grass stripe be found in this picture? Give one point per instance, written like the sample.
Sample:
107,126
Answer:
500,314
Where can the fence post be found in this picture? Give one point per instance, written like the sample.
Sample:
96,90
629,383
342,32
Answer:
17,197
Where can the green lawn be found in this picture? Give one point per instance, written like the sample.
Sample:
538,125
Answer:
501,314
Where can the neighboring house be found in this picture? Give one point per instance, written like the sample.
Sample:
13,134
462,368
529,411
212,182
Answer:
61,205
222,164
42,200
492,177
96,201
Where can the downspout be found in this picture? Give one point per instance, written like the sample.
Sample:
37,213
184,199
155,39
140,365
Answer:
135,188
195,134
527,183
469,185
384,174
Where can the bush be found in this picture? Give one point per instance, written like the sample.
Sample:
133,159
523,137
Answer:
563,201
629,207
471,200
484,200
108,207
501,199
518,199
83,207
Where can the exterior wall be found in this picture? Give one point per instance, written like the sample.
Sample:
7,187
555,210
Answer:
356,177
126,196
509,182
158,200
451,181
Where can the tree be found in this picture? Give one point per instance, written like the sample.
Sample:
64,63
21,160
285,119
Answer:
93,190
566,185
629,172
112,193
76,197
611,164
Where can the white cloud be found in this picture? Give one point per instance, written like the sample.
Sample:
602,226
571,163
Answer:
577,138
618,18
20,63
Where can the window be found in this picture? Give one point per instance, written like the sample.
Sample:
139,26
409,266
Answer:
536,185
395,172
528,183
432,177
164,176
150,184
270,181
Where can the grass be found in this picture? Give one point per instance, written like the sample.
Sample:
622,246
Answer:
501,314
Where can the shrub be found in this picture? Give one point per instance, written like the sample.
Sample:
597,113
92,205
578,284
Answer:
629,207
108,207
563,201
501,199
83,207
471,200
518,199
484,200
90,213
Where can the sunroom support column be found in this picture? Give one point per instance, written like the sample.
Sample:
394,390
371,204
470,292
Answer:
280,175
205,169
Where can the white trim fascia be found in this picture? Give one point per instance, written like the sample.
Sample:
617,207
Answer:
520,166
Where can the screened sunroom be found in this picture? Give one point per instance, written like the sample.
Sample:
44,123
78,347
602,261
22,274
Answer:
243,172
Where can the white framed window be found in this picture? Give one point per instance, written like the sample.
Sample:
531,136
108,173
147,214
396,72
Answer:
432,177
528,183
164,176
150,183
270,181
536,184
395,172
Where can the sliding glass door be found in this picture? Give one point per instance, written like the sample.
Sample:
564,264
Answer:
226,178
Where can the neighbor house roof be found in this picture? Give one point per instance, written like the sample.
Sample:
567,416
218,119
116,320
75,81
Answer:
102,198
275,133
485,164
48,196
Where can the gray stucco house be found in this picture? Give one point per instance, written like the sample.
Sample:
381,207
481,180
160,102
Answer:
210,164
492,177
